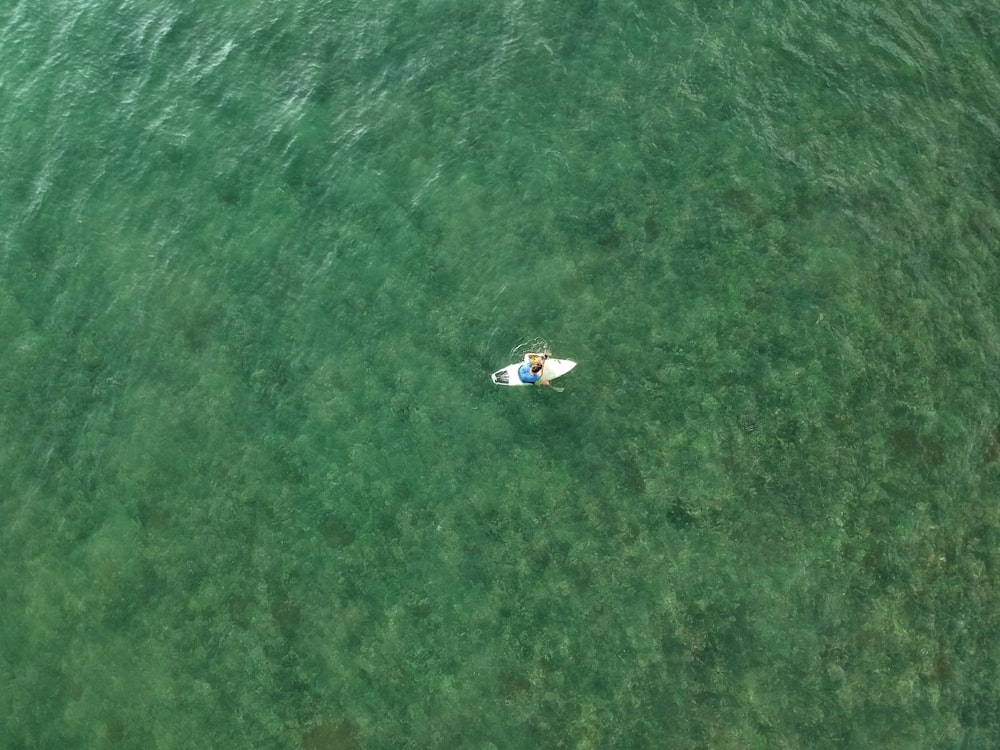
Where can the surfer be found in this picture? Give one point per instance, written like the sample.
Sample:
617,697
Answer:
534,369
530,370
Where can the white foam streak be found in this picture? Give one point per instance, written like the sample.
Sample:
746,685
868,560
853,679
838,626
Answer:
203,62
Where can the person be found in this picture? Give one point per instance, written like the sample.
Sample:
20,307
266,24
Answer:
530,370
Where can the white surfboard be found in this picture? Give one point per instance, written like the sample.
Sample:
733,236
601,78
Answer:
552,369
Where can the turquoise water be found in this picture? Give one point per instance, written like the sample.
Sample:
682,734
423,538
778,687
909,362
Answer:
257,263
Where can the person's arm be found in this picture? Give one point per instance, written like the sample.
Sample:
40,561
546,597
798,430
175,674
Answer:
544,356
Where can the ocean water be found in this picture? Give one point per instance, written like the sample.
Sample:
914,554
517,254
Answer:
258,261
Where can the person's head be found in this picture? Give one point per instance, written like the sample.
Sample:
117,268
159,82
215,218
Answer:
536,367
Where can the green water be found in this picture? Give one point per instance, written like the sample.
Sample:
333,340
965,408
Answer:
257,264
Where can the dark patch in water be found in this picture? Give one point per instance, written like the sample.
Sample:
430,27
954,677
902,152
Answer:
339,735
741,200
600,225
114,730
908,443
636,484
336,533
680,517
747,421
198,330
651,228
993,446
240,608
514,686
944,667
422,609
286,614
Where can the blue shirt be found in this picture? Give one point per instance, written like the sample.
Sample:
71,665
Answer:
526,375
